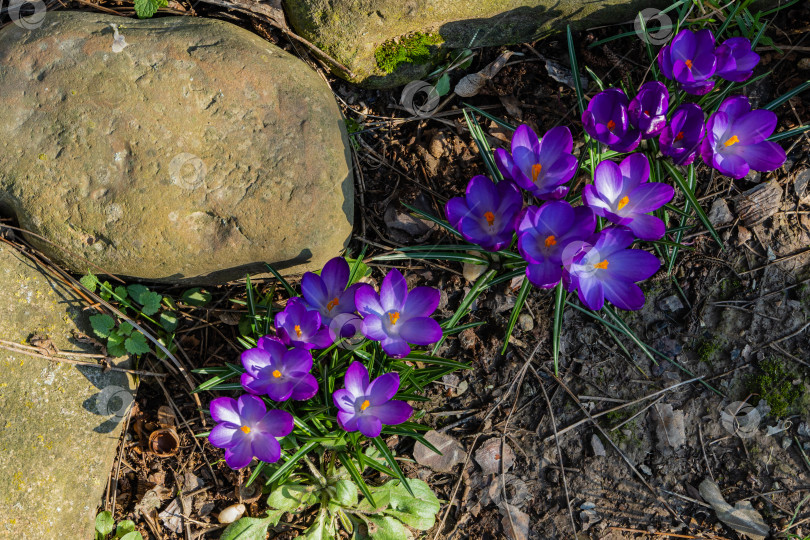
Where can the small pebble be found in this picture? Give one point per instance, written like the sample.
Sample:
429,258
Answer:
526,322
232,513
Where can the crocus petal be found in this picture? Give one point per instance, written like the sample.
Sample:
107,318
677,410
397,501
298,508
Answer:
545,275
420,331
347,420
367,301
254,360
635,170
321,339
373,328
503,160
222,435
254,385
239,456
730,164
224,409
356,379
344,400
272,345
394,291
764,156
591,294
276,422
305,387
632,265
627,142
608,181
648,197
421,302
313,290
383,388
391,413
623,294
335,275
556,141
481,195
455,209
647,227
754,127
396,347
735,106
370,426
266,449
525,139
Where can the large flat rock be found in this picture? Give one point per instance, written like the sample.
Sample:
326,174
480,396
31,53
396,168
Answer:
195,154
352,31
59,423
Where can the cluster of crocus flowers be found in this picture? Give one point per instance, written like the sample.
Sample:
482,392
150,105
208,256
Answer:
692,60
280,367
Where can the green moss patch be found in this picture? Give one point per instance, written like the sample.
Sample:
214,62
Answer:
411,49
775,385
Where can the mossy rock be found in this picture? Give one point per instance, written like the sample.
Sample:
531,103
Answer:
59,423
367,36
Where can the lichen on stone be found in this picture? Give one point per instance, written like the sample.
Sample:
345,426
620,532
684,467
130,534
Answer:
411,49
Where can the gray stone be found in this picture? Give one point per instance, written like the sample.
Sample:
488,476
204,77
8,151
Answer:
359,32
720,214
800,186
59,423
196,154
452,453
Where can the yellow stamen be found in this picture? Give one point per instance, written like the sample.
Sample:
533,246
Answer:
688,64
602,265
364,405
276,374
623,202
245,429
550,241
611,125
332,303
298,330
536,168
679,136
733,140
490,217
393,317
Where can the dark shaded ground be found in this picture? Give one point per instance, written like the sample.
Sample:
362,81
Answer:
722,316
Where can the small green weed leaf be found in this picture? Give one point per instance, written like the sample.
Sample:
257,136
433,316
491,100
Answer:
345,521
467,54
196,297
322,529
136,291
134,535
346,493
121,293
102,324
417,511
249,528
105,523
386,528
359,270
136,344
151,302
124,527
443,85
115,345
147,8
168,320
89,281
105,291
290,497
125,329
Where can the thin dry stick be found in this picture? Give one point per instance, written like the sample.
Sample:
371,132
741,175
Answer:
61,353
80,363
671,535
120,457
614,428
705,457
783,338
559,452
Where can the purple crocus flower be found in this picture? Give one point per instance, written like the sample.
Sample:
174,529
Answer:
246,429
366,407
540,167
486,216
396,317
607,120
327,294
648,110
680,140
735,139
605,269
543,234
299,327
689,59
735,59
621,194
279,373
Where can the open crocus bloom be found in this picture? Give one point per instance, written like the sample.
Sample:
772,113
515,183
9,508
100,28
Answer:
689,59
397,317
367,407
327,294
680,140
539,167
735,59
486,216
280,374
299,327
246,429
543,234
621,194
648,110
736,142
607,120
604,268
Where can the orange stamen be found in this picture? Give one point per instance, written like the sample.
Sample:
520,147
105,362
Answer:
602,265
490,217
733,140
551,241
245,429
679,136
393,317
332,303
611,125
364,405
536,168
688,64
298,330
623,202
276,374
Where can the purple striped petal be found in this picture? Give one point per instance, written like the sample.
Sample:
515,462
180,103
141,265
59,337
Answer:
222,436
764,156
383,388
754,127
335,275
648,197
421,302
344,400
394,291
370,426
391,413
545,275
608,181
239,456
635,170
367,301
266,449
356,379
276,422
591,294
224,409
420,331
647,227
396,347
251,409
623,295
373,328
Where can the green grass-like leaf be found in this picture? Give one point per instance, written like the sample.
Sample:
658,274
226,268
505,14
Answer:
523,293
689,193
